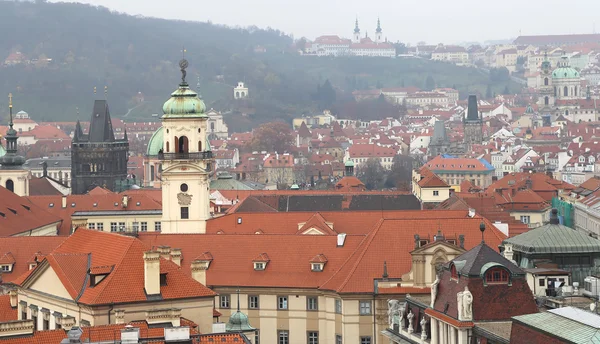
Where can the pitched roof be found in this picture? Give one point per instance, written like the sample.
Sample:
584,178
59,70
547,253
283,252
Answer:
18,215
25,250
7,313
42,187
474,261
554,238
557,323
85,249
445,163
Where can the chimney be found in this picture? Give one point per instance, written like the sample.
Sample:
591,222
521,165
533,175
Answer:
74,334
152,272
165,252
554,217
176,256
13,298
64,201
461,240
199,268
119,316
125,201
130,335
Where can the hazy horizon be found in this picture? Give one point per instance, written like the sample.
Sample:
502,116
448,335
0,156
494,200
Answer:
434,21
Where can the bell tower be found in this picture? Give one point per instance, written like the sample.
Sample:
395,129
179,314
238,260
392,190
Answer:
187,161
12,174
547,96
378,32
356,37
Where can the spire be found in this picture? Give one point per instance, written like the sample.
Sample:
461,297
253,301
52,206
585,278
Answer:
11,160
78,132
198,88
238,297
378,26
385,273
356,29
125,135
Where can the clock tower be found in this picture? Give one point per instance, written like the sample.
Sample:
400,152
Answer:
186,161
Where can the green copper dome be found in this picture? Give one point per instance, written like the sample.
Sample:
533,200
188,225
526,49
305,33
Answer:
349,163
184,102
156,142
564,70
238,322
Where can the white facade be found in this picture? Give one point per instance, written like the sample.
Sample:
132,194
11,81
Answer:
240,91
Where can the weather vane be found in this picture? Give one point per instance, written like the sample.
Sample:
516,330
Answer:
183,64
10,100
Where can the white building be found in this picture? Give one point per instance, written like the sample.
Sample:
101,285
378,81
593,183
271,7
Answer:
240,91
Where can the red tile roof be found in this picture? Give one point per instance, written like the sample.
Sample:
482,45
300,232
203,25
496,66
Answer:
18,215
430,179
125,283
456,164
42,187
371,151
7,313
25,250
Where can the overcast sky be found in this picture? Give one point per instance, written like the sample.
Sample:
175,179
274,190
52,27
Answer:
432,21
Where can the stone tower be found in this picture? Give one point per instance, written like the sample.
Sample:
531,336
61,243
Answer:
473,123
187,161
12,174
356,36
97,158
547,96
378,32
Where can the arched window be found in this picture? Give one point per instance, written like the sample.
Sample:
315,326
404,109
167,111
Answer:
212,125
167,146
576,94
555,91
566,91
453,272
237,94
497,275
545,81
10,185
546,100
182,145
199,146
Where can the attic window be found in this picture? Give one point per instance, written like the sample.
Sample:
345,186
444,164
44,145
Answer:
137,203
239,220
497,275
259,266
51,205
316,267
72,205
95,204
26,207
423,243
453,272
6,268
2,214
13,211
163,279
116,204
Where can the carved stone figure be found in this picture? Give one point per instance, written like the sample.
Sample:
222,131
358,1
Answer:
464,301
423,328
401,319
467,299
434,289
393,312
410,317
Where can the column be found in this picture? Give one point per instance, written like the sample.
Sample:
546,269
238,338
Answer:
453,335
441,332
445,335
434,331
462,336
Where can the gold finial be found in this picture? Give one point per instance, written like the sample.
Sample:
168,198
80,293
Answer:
10,100
183,51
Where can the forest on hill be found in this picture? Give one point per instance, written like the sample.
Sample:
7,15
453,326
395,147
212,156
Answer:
74,48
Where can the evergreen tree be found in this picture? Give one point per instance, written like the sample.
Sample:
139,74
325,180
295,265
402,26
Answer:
429,83
506,90
488,92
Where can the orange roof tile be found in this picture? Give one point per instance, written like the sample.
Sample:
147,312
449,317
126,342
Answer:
7,313
24,249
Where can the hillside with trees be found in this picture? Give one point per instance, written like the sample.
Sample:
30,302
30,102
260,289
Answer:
72,48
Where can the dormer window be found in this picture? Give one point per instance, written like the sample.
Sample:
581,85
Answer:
260,262
497,276
453,272
317,267
6,268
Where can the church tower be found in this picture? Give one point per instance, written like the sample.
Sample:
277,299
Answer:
473,123
356,37
378,33
186,160
547,96
12,174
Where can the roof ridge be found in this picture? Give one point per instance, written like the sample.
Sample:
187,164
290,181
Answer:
362,254
366,236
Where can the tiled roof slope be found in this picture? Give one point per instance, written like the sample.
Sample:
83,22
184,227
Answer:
25,250
7,313
18,215
86,249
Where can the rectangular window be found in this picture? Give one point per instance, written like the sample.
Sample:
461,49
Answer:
121,226
144,226
338,339
185,212
338,306
157,226
257,336
313,337
225,301
57,326
282,302
91,226
542,282
100,226
312,304
525,219
253,302
24,314
365,340
365,308
5,268
35,326
45,324
113,226
436,193
283,337
136,226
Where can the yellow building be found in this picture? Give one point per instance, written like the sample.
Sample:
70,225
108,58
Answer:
428,187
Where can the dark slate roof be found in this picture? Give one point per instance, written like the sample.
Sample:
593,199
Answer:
100,125
554,238
480,258
472,110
